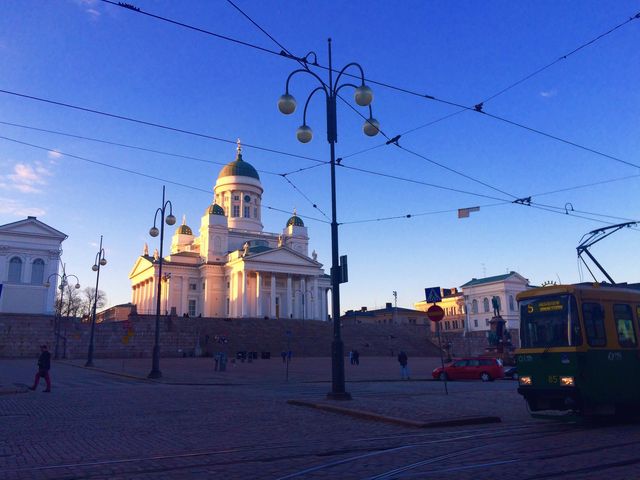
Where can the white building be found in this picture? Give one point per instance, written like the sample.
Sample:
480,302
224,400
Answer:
478,293
233,268
29,254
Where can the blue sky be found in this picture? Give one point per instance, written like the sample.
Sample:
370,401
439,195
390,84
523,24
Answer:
103,57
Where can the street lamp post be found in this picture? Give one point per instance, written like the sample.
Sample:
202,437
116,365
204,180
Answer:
153,231
63,283
100,261
371,127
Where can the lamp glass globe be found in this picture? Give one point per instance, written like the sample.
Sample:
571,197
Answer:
287,104
304,134
371,127
103,262
171,220
154,232
94,268
363,95
77,286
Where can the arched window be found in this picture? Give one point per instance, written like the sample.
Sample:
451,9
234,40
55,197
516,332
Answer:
15,270
37,272
474,306
485,303
512,305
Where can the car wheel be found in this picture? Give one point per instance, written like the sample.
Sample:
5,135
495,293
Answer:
485,377
443,376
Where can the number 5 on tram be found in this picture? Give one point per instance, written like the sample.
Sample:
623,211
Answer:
579,348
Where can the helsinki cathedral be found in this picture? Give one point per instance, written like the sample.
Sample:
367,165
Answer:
232,268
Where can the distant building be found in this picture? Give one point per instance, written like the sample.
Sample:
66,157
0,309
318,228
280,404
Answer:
454,311
478,293
232,268
29,254
389,315
117,313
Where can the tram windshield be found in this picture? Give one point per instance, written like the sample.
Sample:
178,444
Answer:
550,321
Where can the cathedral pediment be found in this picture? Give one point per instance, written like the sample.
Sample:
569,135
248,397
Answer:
142,263
283,256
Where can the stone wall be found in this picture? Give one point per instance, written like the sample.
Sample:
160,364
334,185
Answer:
20,336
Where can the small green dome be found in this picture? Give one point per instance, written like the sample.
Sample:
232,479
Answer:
215,209
239,168
296,221
184,230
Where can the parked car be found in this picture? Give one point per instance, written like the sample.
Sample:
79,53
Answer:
511,372
483,368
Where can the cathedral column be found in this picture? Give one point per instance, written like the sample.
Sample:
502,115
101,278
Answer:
232,295
258,295
245,310
303,288
289,302
273,295
316,299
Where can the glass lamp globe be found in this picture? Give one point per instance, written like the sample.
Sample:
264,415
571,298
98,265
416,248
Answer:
103,262
287,104
77,286
47,284
304,134
371,127
171,220
363,95
94,268
154,232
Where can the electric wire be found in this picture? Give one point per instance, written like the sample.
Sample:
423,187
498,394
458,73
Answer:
311,202
371,81
140,174
156,125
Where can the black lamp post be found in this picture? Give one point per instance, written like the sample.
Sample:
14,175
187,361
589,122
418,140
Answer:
153,231
371,127
99,262
63,283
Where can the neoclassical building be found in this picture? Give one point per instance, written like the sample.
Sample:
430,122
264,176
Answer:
29,256
232,268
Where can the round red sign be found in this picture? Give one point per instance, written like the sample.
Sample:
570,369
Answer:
435,313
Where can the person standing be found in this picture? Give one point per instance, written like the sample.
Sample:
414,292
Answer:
356,357
44,365
404,365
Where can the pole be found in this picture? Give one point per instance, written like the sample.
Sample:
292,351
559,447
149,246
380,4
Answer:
155,365
446,389
93,313
56,354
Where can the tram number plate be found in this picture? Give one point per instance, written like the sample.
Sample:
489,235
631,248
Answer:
553,379
614,356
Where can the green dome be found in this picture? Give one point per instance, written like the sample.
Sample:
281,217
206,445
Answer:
296,221
215,209
239,168
184,230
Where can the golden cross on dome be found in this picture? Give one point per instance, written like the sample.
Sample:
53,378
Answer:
239,148
184,219
295,213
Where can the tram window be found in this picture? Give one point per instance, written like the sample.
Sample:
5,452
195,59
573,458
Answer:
550,321
624,325
594,324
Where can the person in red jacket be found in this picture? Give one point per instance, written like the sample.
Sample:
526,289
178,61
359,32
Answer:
44,365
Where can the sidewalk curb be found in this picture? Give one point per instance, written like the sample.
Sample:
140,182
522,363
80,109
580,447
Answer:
145,379
12,391
454,422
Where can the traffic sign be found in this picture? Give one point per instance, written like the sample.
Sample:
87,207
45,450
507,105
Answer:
433,295
435,313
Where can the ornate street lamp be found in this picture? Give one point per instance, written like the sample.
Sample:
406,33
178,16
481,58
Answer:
287,105
153,231
63,284
100,261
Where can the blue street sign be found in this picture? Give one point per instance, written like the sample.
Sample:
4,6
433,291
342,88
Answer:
433,295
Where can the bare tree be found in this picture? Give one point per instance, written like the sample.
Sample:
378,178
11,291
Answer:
72,302
89,296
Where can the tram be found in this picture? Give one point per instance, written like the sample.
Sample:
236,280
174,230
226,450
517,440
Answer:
579,348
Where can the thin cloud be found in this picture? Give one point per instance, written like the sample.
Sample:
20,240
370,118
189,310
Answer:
549,93
54,154
93,12
11,206
25,178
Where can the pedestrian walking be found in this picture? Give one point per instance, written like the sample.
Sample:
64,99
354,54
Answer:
351,357
404,365
44,365
356,357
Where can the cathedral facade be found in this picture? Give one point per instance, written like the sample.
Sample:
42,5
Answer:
233,268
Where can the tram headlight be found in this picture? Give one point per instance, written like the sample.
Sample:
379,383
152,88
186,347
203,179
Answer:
525,380
567,381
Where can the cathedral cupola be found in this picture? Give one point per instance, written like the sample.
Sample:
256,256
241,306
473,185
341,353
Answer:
183,238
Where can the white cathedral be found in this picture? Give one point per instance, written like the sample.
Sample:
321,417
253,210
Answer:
233,269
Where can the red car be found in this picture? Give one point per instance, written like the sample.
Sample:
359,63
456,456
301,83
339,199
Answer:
485,369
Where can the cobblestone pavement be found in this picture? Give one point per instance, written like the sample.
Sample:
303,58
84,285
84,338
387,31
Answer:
102,426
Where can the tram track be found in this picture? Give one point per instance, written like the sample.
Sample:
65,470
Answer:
133,467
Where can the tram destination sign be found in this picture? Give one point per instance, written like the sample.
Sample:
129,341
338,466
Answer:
546,306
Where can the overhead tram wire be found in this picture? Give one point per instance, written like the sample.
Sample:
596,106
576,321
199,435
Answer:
311,202
284,54
141,174
124,145
157,125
